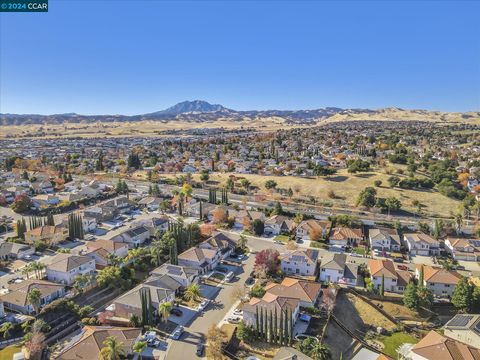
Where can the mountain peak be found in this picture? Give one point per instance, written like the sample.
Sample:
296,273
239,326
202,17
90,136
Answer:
199,106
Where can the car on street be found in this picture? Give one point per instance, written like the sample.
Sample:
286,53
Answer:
238,312
229,276
234,319
403,267
177,333
203,304
250,281
460,267
200,348
398,260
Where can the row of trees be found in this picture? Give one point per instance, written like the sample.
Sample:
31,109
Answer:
75,226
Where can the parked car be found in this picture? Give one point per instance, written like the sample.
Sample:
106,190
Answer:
200,348
176,312
203,304
238,312
460,267
177,333
250,281
221,269
403,267
234,319
229,276
398,260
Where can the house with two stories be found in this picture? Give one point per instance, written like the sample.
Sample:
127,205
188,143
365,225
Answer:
300,262
464,328
184,275
463,249
64,268
313,230
439,281
201,259
278,224
394,280
13,251
421,244
16,298
134,236
101,251
48,234
384,239
334,268
345,236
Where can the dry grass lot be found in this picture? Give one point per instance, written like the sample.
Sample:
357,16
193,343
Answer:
346,187
369,314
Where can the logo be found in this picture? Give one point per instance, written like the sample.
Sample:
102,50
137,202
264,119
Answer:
23,5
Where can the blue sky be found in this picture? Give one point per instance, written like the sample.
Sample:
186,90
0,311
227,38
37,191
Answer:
130,57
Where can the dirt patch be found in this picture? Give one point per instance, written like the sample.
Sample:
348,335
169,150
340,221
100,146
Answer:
369,314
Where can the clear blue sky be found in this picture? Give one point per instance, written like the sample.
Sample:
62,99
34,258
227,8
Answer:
130,57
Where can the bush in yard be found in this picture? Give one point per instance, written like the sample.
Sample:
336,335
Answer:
244,332
257,291
258,227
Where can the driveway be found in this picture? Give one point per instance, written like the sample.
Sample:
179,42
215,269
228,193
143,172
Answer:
186,318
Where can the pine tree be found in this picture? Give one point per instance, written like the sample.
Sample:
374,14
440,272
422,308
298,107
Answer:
280,329
270,328
420,276
275,327
382,286
256,321
201,210
261,324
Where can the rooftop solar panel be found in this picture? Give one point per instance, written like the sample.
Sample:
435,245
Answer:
460,320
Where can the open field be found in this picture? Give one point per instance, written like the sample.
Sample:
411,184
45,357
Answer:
346,188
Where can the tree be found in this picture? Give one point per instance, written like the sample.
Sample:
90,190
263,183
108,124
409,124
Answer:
110,276
21,204
462,297
6,329
269,258
278,209
245,332
34,297
257,291
219,215
382,286
113,349
392,204
134,321
377,183
425,296
393,181
193,292
214,339
164,309
258,227
80,282
242,242
410,296
367,197
138,347
270,184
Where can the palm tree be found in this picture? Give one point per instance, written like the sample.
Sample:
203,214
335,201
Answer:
5,329
193,292
320,352
38,267
138,347
113,349
33,298
164,308
134,321
27,269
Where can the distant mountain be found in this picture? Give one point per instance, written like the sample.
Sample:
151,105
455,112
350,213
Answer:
202,111
196,106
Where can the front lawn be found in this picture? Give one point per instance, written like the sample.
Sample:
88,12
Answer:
392,342
359,251
282,238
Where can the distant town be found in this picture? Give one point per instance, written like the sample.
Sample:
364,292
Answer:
351,240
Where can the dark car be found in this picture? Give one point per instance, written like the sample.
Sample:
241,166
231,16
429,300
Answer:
250,281
398,260
176,312
460,267
200,348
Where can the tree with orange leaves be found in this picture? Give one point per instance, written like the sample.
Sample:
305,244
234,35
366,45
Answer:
219,215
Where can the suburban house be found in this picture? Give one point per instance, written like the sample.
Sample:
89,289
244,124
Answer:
49,234
193,209
90,342
421,244
278,224
221,243
300,262
102,249
307,292
345,236
435,346
394,280
313,228
10,251
464,328
270,303
66,267
16,299
184,275
335,269
151,203
246,217
154,224
134,236
463,249
162,289
200,259
384,239
438,280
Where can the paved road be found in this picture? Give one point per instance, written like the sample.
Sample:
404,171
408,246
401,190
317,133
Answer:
185,347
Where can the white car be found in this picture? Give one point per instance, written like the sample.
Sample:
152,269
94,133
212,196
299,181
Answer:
238,312
229,276
234,319
177,333
203,304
